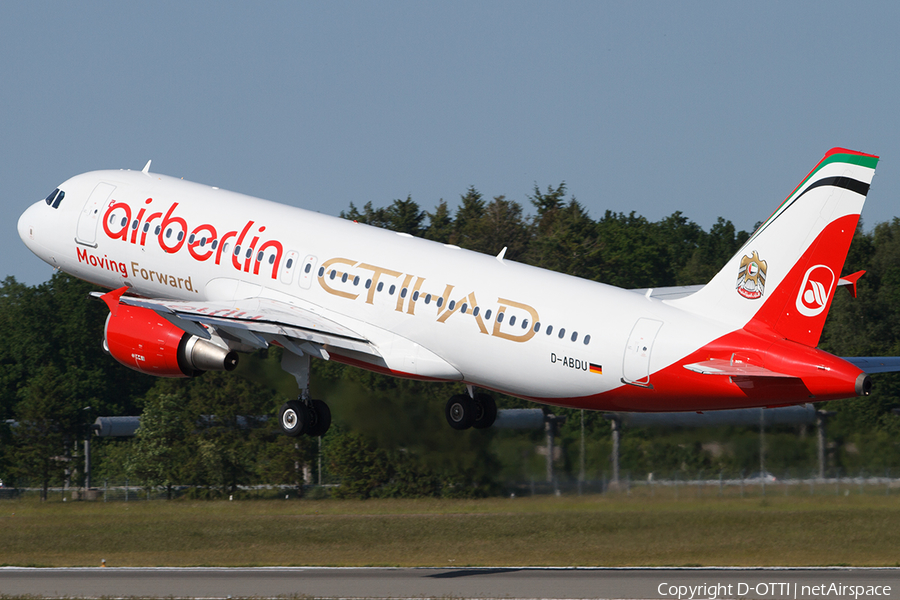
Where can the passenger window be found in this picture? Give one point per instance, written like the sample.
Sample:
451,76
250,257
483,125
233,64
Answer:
392,289
549,329
587,339
475,311
464,308
499,317
428,299
308,268
321,270
562,333
487,314
525,324
452,304
574,336
290,263
512,320
537,327
440,301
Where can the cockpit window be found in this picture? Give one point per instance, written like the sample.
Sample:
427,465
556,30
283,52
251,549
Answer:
55,198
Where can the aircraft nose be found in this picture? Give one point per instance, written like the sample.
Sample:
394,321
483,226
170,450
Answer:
26,226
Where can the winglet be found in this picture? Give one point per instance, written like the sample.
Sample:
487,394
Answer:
502,254
146,169
850,280
112,299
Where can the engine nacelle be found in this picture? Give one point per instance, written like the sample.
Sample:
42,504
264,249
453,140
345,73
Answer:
142,340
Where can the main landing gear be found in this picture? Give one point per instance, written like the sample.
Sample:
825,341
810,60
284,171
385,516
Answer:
304,416
471,410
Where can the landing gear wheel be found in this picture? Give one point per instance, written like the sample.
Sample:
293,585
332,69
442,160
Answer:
321,418
485,411
294,418
460,411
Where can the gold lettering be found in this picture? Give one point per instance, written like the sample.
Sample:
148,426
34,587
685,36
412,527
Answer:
377,272
412,300
400,298
529,333
471,310
322,280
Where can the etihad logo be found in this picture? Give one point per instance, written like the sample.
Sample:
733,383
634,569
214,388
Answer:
751,281
815,290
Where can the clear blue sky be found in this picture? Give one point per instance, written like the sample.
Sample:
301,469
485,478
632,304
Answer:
713,108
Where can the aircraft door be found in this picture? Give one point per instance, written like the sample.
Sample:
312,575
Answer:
288,267
86,231
308,271
636,364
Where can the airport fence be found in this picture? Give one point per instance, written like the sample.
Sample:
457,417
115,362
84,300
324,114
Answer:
680,485
672,486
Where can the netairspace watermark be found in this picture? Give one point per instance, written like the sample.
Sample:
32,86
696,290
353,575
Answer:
714,591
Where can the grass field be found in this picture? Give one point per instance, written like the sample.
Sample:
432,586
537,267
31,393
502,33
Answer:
607,530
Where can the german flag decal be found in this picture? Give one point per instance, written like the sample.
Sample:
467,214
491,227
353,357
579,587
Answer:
597,369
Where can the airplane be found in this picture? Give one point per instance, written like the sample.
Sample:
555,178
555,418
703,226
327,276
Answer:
199,274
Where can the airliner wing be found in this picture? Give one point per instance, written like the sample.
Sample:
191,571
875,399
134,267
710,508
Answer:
875,364
726,367
256,322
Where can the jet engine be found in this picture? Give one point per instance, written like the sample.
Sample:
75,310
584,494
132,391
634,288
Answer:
142,340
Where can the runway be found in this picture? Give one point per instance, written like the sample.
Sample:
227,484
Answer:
696,583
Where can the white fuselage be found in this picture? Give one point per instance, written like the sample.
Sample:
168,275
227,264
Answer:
562,339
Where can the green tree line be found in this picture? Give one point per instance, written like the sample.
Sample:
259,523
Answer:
218,432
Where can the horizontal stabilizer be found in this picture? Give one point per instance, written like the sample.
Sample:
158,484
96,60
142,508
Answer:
668,293
875,364
849,281
718,366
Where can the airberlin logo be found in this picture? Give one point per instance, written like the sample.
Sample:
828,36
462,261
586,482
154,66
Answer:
245,248
815,290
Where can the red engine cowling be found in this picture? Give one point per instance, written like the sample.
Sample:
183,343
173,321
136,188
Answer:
144,341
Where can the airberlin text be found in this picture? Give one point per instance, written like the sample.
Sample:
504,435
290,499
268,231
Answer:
572,363
244,248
